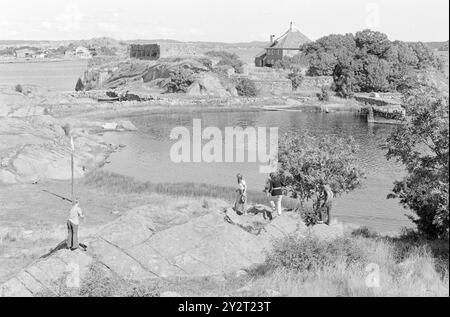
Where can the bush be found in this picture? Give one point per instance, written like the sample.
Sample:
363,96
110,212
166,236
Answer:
19,88
246,87
296,78
324,94
180,80
311,254
228,59
310,216
79,86
364,232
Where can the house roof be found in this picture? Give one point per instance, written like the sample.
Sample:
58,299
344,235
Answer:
25,50
261,54
292,39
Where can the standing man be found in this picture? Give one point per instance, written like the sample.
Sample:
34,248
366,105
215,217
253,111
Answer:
329,195
276,192
72,225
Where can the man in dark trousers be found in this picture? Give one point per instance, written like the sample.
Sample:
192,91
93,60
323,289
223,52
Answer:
275,191
72,225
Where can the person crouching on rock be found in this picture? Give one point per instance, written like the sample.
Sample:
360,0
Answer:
72,225
276,192
241,198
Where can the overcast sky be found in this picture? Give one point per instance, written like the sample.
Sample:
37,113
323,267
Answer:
220,20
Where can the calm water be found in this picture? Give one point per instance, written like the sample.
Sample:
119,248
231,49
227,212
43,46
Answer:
147,158
61,76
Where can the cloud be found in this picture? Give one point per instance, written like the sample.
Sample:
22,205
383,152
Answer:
70,21
107,27
196,33
47,24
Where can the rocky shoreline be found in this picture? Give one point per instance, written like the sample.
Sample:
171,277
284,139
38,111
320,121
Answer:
34,146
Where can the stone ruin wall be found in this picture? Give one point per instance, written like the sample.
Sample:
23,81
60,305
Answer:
314,83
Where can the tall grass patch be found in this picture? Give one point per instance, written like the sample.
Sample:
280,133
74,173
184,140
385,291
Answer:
115,183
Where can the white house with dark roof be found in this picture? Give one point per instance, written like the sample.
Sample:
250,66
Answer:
287,44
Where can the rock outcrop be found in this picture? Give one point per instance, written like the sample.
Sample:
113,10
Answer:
33,144
148,243
136,75
36,148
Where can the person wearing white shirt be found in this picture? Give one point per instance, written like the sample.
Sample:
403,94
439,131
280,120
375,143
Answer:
72,225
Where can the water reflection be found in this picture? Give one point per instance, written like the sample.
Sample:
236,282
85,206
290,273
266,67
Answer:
147,157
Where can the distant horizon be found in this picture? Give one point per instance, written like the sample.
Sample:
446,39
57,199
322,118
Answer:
222,21
168,40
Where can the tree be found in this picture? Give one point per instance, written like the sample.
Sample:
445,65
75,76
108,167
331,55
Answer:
373,42
426,57
306,163
344,76
323,55
422,146
374,74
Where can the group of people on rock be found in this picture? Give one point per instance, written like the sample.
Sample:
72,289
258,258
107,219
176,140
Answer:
274,192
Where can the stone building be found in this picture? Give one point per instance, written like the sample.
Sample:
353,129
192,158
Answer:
286,45
146,51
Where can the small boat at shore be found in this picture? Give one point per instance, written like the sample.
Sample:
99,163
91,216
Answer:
108,99
383,110
383,115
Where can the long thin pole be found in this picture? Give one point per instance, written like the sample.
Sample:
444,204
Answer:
71,165
72,175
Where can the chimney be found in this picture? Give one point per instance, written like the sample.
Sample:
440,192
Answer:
271,38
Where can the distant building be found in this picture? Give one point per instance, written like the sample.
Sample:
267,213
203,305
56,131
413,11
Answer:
147,51
286,45
25,53
83,52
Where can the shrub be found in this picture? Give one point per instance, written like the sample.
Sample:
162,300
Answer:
324,94
180,80
311,254
296,78
364,232
79,86
310,216
246,87
228,59
19,88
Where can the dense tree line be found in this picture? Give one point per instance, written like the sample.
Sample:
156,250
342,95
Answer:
367,61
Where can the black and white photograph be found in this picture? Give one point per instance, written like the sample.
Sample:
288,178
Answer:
244,152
